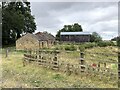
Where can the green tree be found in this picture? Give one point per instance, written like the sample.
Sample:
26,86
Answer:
69,28
95,37
16,20
77,27
117,39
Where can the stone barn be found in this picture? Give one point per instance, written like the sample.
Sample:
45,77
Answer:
49,37
75,37
32,41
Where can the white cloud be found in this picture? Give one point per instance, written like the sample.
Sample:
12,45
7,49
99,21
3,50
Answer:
99,17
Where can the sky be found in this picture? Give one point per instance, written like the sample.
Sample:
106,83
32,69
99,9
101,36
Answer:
100,17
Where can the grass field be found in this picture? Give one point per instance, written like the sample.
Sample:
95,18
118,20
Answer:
32,75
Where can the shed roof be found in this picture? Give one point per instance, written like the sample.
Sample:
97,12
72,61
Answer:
75,33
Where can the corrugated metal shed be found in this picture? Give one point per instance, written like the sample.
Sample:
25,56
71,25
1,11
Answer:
75,33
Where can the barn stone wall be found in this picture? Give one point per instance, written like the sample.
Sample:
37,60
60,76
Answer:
27,42
50,43
43,44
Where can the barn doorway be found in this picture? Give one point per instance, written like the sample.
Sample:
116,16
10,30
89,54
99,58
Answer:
42,44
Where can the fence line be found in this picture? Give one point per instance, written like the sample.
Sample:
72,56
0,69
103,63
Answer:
49,59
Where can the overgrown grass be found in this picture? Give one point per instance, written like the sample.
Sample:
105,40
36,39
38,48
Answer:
33,75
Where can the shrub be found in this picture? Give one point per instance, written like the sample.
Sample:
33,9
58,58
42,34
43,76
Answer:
90,45
70,48
105,43
87,45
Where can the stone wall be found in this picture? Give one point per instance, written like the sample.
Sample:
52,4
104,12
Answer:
50,43
27,42
43,44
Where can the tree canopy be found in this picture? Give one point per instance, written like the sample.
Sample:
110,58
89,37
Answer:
116,39
16,20
95,37
69,28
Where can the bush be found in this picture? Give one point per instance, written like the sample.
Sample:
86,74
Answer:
105,43
70,48
87,45
90,45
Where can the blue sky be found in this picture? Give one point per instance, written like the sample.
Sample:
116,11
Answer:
100,17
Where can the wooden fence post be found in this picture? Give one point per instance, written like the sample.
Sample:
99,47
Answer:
6,51
82,62
98,66
39,54
55,62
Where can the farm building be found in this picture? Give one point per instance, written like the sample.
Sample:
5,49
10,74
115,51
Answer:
49,37
35,41
75,37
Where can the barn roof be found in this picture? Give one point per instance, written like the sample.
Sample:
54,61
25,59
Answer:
41,36
45,36
28,34
49,36
75,33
